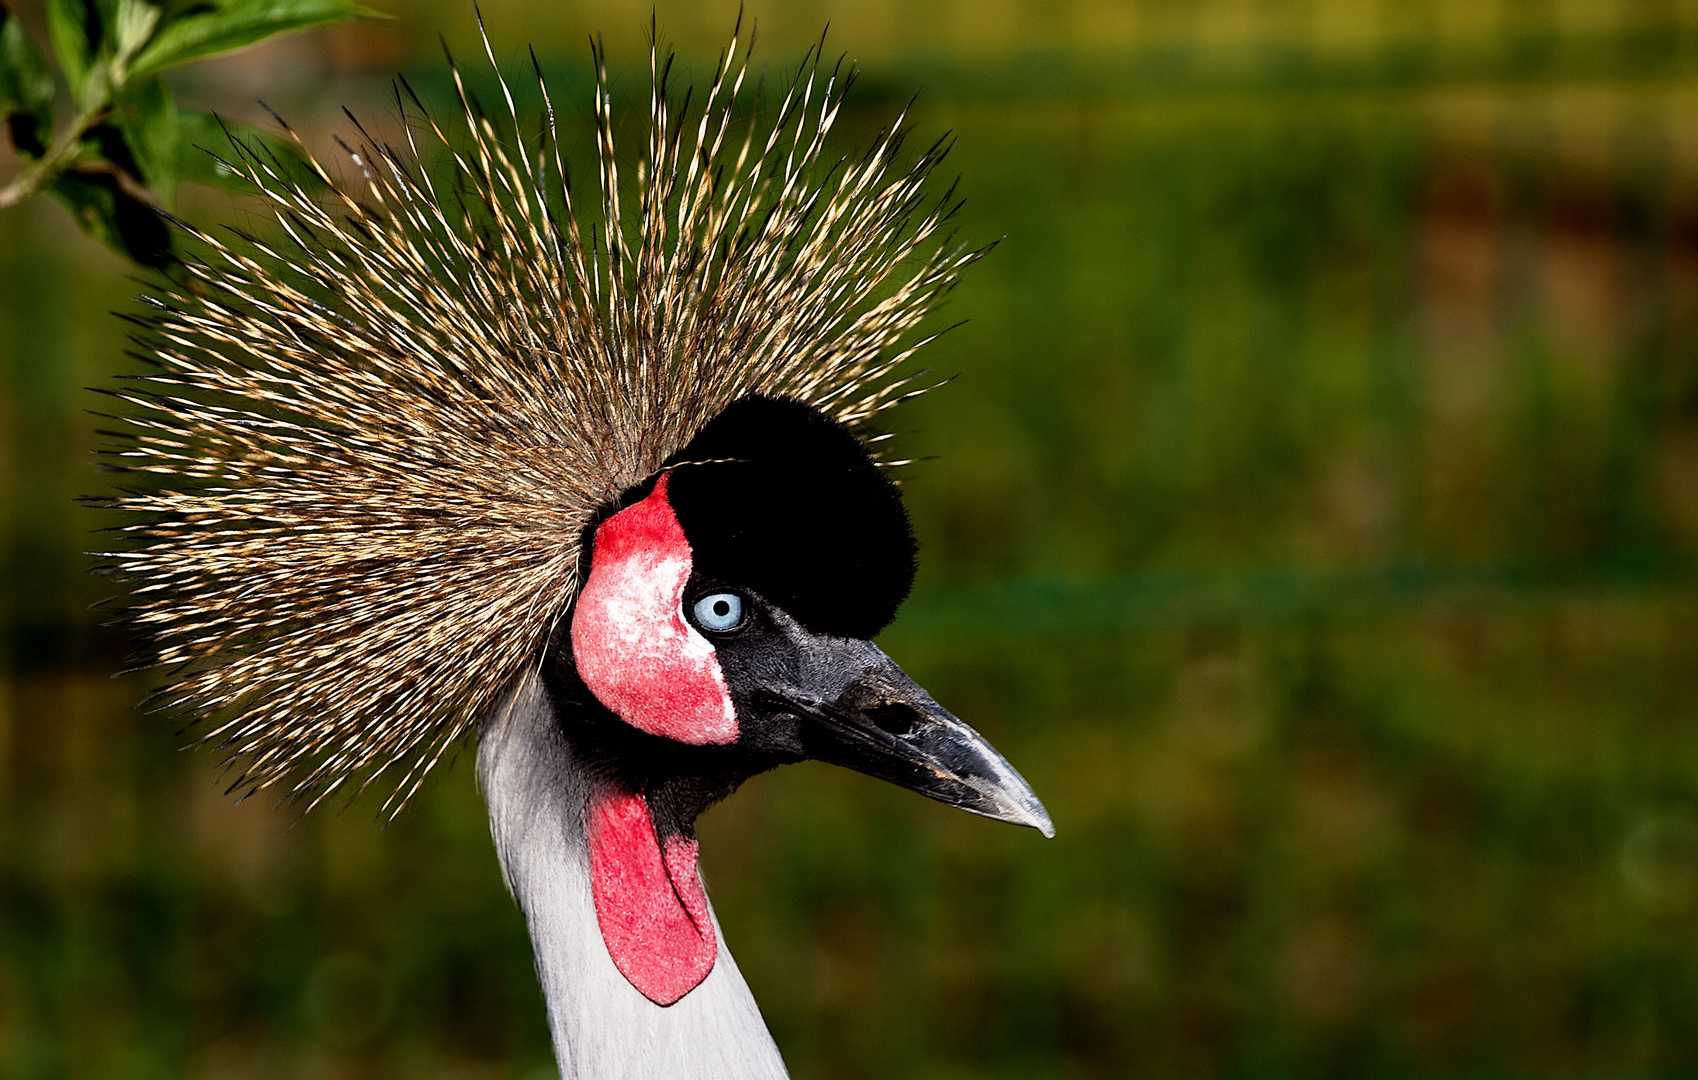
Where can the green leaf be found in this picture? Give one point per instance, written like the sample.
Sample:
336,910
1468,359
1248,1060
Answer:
147,116
233,24
26,88
210,147
106,212
207,155
132,27
77,30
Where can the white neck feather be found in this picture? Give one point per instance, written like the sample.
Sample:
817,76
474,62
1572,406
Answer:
603,1028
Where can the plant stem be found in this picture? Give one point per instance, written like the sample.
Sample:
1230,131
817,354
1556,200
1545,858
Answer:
41,172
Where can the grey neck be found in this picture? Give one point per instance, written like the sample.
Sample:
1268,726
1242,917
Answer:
603,1028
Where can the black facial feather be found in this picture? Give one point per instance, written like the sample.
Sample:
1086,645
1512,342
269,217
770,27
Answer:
778,498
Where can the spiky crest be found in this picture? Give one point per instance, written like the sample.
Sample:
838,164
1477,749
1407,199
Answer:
378,440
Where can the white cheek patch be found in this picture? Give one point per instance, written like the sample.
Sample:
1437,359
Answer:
633,648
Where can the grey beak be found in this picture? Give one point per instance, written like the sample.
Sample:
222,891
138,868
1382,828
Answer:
868,715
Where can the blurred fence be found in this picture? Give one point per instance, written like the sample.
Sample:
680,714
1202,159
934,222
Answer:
1314,520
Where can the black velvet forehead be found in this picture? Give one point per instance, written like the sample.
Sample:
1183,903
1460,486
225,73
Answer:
778,498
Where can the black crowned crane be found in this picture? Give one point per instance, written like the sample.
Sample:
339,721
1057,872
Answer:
439,459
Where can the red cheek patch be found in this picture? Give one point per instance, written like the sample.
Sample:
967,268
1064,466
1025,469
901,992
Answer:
633,648
649,903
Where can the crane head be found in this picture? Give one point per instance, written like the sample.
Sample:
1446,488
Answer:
724,628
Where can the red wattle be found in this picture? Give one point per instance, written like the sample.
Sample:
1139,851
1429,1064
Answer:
651,906
633,648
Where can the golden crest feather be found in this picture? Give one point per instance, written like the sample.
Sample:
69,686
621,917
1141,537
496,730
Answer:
376,441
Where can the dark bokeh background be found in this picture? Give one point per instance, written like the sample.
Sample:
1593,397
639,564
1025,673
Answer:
1314,521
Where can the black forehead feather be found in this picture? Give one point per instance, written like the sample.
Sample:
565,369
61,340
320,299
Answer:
776,497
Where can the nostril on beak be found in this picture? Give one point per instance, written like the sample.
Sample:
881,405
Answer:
897,720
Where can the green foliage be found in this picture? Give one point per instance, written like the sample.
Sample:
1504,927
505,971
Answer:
218,28
119,155
147,117
26,87
113,216
200,137
74,27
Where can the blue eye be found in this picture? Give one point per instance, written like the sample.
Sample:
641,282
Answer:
720,611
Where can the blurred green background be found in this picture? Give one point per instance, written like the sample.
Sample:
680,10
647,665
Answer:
1314,521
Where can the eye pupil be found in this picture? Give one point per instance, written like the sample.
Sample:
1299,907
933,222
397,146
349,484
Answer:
721,611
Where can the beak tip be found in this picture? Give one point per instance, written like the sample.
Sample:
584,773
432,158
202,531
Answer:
1043,824
1033,815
